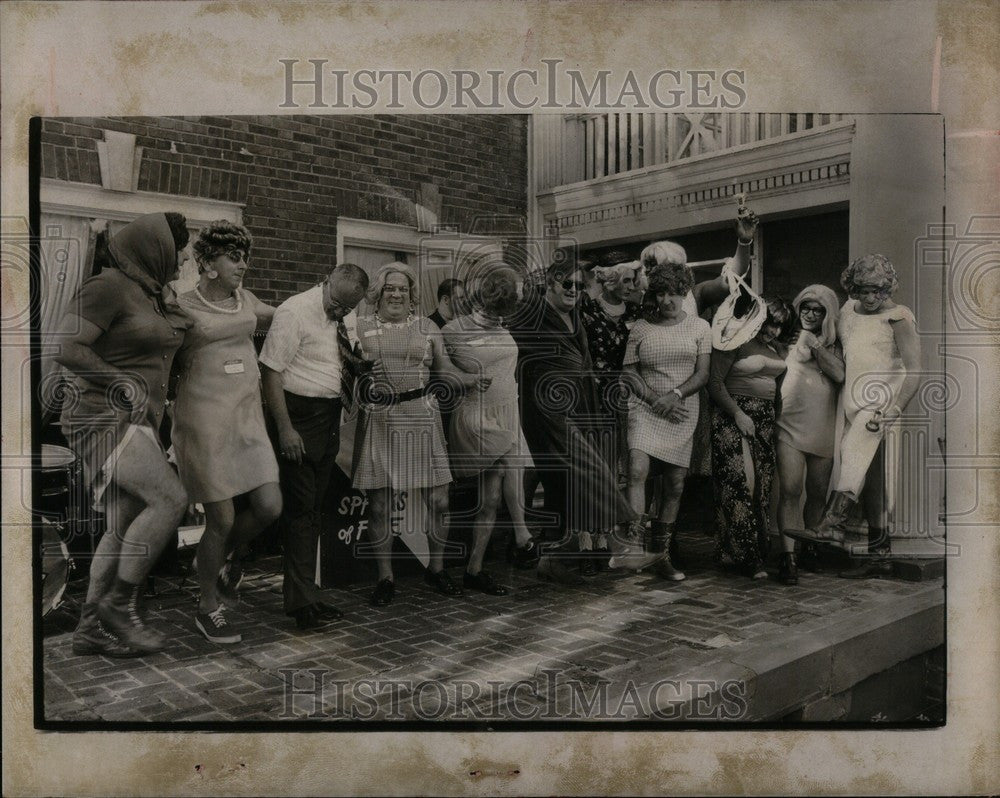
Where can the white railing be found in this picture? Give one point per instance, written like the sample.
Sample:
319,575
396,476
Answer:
585,147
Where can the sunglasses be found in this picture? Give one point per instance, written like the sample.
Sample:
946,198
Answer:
812,310
573,285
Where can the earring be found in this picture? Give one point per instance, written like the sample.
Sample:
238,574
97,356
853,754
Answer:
211,274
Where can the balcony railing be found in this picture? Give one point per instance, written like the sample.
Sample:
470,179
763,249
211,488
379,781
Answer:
585,147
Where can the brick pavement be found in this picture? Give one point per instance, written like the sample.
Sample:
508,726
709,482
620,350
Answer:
541,645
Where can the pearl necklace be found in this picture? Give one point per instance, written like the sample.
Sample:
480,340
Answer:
383,323
219,308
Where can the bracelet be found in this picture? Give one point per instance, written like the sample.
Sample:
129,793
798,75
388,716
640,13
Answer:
678,392
745,243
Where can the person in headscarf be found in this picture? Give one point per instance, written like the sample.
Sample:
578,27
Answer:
118,340
807,422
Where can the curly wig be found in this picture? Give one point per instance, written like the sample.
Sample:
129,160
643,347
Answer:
870,270
660,253
495,292
221,237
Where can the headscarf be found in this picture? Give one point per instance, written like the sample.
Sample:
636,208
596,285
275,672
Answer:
828,299
144,251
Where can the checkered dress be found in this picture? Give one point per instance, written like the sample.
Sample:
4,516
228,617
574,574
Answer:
665,358
401,446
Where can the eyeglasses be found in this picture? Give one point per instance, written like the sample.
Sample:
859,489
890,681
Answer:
812,310
396,289
236,255
573,285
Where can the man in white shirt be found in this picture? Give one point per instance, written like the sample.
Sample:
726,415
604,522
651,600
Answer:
306,369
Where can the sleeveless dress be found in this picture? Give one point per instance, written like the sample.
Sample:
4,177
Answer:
665,358
219,437
874,374
402,445
808,406
485,426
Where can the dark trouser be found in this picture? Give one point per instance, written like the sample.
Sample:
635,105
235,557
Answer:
303,488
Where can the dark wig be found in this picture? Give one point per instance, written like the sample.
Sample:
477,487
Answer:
220,238
673,279
781,315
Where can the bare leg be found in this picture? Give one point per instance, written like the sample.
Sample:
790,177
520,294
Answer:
437,533
638,471
489,501
212,551
791,465
264,509
143,471
512,485
671,490
819,471
378,506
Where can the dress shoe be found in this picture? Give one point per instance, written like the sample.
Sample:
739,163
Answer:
551,570
484,583
324,610
442,583
307,620
872,567
788,573
523,557
385,592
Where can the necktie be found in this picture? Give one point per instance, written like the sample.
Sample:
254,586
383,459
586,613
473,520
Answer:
349,366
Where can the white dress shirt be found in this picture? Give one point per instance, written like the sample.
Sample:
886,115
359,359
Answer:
301,345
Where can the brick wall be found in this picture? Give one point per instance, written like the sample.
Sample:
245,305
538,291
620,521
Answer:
297,174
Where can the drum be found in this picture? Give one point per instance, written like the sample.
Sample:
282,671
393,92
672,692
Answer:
56,565
58,480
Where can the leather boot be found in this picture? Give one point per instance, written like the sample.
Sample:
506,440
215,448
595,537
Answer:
119,612
630,554
788,573
662,537
878,562
91,637
833,526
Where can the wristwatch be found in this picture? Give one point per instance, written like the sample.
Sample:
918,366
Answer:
678,392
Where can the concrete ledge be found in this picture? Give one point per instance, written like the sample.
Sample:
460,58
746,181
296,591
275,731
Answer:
782,673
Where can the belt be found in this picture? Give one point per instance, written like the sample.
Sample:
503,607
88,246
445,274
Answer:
378,396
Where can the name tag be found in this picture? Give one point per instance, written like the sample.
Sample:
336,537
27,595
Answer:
370,333
477,342
234,366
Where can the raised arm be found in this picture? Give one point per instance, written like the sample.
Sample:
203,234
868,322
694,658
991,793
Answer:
711,292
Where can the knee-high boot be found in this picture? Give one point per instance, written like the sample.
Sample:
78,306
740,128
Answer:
832,528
